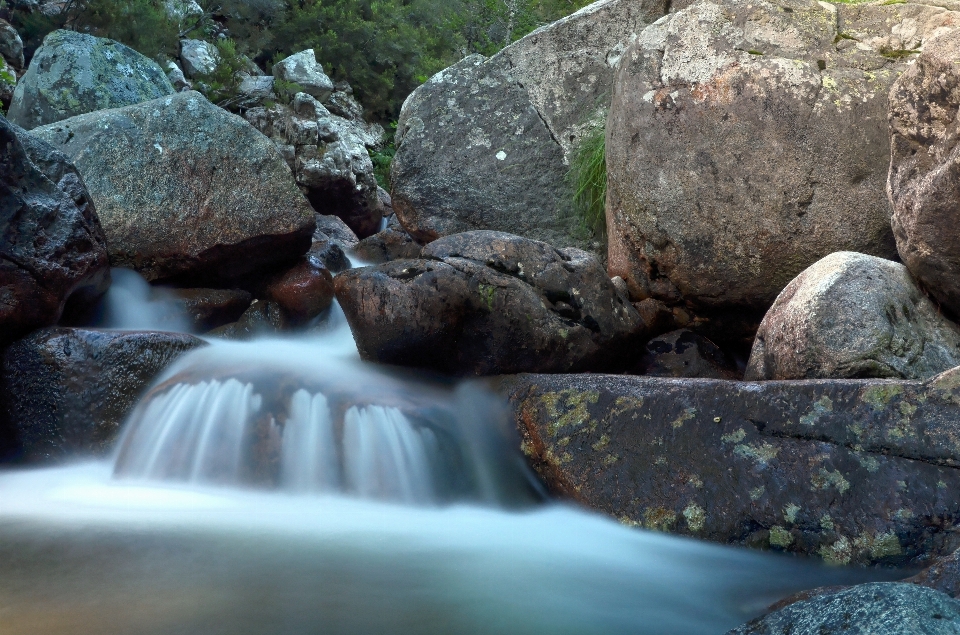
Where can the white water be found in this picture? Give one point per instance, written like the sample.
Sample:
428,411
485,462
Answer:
284,487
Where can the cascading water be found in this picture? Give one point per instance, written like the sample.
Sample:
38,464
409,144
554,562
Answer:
284,487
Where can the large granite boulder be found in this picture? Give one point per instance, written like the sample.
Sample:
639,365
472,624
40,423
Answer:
877,608
67,391
486,143
486,302
329,158
186,190
11,46
924,165
747,139
198,58
52,248
75,73
853,315
854,471
304,70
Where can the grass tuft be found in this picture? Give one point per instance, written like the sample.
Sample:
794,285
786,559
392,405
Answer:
588,174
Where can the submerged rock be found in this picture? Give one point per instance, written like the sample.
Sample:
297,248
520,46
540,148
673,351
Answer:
853,471
187,190
210,308
738,155
852,315
487,302
486,143
923,169
75,73
67,391
878,608
52,248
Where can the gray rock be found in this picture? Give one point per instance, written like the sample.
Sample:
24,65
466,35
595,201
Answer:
389,244
853,315
67,391
737,155
177,79
923,184
74,73
53,254
485,144
486,302
852,471
208,309
198,58
328,155
11,46
185,189
302,68
333,228
878,608
182,11
683,353
255,89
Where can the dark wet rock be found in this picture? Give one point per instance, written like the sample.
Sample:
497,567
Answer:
328,254
75,73
770,151
333,228
485,144
11,46
853,315
683,353
878,608
66,391
656,315
943,575
854,471
186,190
925,159
303,292
210,308
262,318
486,302
387,245
53,254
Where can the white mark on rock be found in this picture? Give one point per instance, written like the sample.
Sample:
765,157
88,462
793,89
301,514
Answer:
501,155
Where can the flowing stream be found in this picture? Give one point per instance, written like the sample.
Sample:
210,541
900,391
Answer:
285,487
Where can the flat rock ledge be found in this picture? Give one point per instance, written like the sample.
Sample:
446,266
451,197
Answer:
854,471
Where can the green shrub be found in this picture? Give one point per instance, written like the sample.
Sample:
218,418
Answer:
285,91
588,177
222,85
383,157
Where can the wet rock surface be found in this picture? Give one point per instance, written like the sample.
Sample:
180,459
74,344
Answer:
75,73
52,248
853,315
389,244
769,148
303,291
186,191
485,302
65,392
853,471
210,308
924,163
683,353
485,144
943,575
879,608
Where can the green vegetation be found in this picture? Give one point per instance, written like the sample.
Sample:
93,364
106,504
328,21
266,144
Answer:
382,157
588,176
897,54
384,48
223,85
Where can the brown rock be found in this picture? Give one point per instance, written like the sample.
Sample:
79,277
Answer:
390,244
209,308
925,161
683,353
303,292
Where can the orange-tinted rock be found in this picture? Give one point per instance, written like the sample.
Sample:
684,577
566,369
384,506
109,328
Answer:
303,292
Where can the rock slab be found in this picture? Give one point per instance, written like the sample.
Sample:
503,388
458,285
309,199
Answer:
486,302
852,471
853,315
924,167
52,248
67,391
75,73
186,190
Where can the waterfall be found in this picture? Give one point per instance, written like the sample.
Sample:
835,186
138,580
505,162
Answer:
272,416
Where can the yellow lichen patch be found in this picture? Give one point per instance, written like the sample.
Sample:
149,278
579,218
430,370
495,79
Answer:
790,512
610,459
623,405
601,443
563,442
734,437
780,537
695,481
820,408
879,396
827,478
907,409
762,453
879,545
904,514
629,522
695,516
826,523
868,462
757,493
839,552
659,519
687,415
568,408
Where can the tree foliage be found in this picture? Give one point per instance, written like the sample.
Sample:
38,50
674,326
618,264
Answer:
384,48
